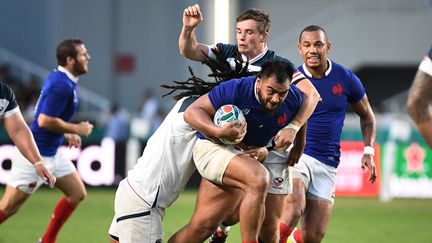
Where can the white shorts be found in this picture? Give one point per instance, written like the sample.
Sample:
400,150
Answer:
135,221
24,176
211,160
280,181
318,178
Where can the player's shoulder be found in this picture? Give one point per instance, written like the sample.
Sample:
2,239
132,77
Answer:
228,50
340,69
271,55
5,91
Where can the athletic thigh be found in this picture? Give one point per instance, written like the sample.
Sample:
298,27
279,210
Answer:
214,204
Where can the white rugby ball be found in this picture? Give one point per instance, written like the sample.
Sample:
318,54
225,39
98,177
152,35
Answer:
227,113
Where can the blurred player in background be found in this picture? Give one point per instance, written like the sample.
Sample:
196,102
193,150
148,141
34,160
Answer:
252,34
269,103
22,137
56,105
419,102
315,174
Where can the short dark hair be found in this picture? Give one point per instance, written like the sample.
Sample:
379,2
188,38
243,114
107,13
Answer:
67,48
281,69
259,16
312,28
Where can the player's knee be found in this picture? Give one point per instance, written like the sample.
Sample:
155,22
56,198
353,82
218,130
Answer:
203,230
9,211
77,197
259,182
313,235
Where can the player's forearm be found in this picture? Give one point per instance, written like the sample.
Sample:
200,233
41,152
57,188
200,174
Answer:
368,128
56,125
300,138
201,121
425,129
187,42
24,141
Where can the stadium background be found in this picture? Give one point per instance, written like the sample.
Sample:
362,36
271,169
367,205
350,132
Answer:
134,48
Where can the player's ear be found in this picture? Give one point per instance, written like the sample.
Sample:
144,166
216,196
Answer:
328,46
264,37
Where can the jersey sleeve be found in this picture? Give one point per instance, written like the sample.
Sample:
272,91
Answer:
226,50
298,94
56,99
9,96
357,91
222,94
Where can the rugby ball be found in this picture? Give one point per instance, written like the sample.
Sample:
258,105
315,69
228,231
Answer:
227,113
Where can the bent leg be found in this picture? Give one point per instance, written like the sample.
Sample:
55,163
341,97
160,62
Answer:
295,205
273,210
73,188
214,204
251,176
11,202
315,220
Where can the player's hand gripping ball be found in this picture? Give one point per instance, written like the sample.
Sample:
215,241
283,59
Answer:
228,113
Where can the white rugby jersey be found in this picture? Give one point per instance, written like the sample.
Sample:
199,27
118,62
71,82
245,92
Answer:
166,165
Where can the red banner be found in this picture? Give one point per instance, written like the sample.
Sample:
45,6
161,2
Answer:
351,180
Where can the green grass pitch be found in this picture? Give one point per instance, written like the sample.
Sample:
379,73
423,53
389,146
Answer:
353,220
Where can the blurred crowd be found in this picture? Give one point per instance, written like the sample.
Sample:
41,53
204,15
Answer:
26,90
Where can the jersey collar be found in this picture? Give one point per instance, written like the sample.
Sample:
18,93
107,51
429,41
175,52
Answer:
327,72
256,93
257,57
68,74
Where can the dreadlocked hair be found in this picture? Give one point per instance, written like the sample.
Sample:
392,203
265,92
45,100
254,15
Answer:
221,71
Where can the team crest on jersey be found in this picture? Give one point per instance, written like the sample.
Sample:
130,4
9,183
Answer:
282,119
245,111
277,182
337,89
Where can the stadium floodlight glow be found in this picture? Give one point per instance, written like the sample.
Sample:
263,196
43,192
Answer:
221,21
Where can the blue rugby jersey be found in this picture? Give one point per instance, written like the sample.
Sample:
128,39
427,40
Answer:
261,127
337,88
58,98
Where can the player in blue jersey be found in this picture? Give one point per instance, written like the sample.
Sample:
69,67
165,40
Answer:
420,98
52,124
252,34
21,136
315,174
269,103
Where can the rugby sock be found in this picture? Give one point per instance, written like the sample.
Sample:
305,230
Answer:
297,236
284,232
2,217
61,213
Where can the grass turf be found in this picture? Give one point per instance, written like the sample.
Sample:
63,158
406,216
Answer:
353,220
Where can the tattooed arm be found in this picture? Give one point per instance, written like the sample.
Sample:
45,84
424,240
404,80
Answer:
419,104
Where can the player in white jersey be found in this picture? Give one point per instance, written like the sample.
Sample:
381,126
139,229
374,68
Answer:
420,98
156,181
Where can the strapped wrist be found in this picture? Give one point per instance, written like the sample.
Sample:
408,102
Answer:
40,162
293,126
369,150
